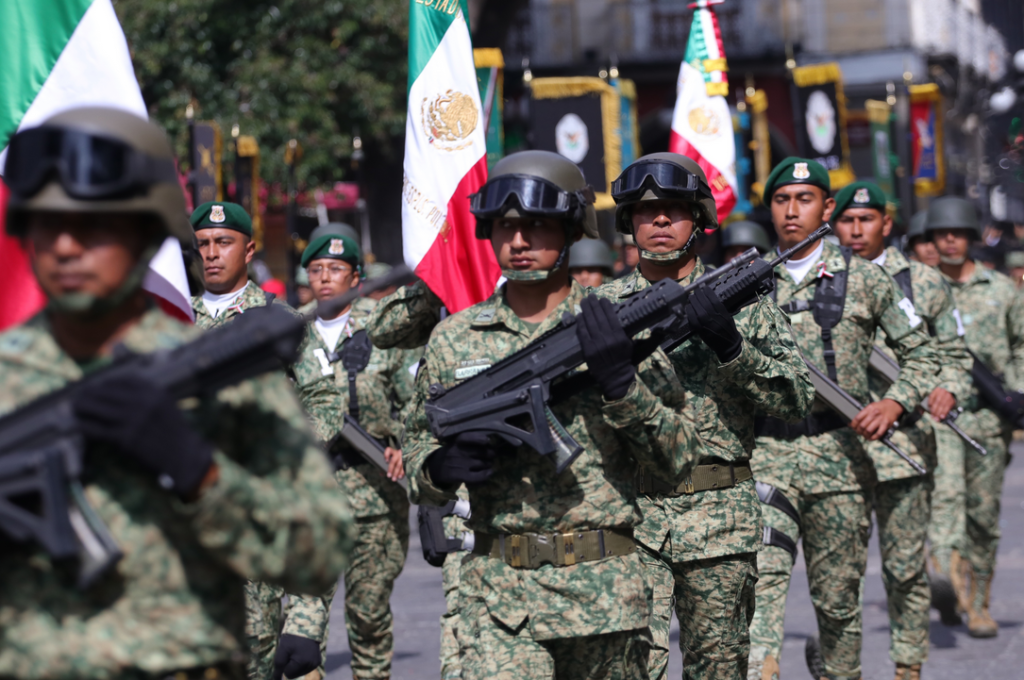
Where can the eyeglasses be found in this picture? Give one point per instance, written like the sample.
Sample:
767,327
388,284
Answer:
334,271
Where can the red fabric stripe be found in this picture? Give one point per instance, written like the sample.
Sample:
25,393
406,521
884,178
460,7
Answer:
725,199
169,308
460,269
20,295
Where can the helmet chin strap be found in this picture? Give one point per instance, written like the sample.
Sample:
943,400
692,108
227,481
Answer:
538,274
89,306
954,261
672,255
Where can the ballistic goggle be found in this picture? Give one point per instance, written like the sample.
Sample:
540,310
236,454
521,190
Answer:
534,195
671,178
88,166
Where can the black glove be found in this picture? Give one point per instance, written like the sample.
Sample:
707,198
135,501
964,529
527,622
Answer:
467,459
713,323
295,656
143,422
606,347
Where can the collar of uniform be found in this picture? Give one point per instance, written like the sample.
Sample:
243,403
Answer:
895,261
830,255
494,311
981,274
636,281
252,296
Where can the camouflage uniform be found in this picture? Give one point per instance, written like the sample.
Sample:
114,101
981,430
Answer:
992,311
451,668
380,506
405,318
703,546
175,601
263,601
901,496
585,620
828,476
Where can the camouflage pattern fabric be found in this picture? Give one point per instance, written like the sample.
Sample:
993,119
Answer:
176,599
528,606
830,474
451,667
948,520
992,310
405,318
768,377
262,627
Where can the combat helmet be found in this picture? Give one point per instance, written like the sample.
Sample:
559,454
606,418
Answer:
917,225
664,176
336,229
592,253
536,183
746,233
953,212
97,160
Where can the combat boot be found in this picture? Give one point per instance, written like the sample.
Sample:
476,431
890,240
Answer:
905,672
813,658
771,668
762,665
980,623
957,567
944,594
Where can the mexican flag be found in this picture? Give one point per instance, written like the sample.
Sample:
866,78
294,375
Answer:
445,157
702,122
58,55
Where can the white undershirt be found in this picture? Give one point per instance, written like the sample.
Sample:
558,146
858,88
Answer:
880,260
798,269
331,329
215,304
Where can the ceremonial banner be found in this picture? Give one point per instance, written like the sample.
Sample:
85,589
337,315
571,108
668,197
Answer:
883,161
445,158
927,164
247,183
701,123
820,110
579,119
760,141
57,55
629,131
490,75
205,149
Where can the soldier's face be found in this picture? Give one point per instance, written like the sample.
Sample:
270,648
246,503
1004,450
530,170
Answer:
799,209
953,244
527,243
924,251
863,230
588,276
83,252
662,226
226,255
330,278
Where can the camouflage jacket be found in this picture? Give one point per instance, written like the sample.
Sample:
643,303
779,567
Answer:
405,318
933,301
175,599
384,384
872,302
525,495
768,377
992,310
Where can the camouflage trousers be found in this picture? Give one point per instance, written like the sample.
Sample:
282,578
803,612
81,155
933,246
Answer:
948,520
378,557
834,529
901,508
451,667
262,626
714,602
492,651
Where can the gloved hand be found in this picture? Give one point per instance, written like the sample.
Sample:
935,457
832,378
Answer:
606,347
467,459
709,318
295,656
143,422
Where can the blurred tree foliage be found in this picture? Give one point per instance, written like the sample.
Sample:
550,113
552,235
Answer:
315,70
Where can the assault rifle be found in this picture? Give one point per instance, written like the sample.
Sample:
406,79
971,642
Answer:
843,403
366,445
42,449
1010,405
511,398
889,371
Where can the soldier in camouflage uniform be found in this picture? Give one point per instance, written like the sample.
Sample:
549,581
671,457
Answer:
562,606
738,236
243,491
224,234
992,310
590,262
820,464
901,495
380,505
702,537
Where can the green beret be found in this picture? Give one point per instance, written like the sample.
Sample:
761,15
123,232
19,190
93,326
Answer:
1014,259
220,215
859,195
333,247
795,170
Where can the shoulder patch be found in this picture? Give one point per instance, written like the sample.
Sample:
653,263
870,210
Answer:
470,367
16,341
485,315
908,308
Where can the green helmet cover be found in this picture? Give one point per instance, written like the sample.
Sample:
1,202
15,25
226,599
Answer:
745,233
591,252
953,212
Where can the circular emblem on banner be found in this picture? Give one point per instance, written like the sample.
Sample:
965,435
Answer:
449,119
821,122
572,139
703,120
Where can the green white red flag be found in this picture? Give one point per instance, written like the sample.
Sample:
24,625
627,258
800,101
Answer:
702,122
445,157
57,55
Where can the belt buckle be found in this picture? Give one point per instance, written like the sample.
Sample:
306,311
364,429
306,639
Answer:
569,549
688,485
516,558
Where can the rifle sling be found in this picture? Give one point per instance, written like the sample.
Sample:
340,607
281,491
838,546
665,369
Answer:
814,424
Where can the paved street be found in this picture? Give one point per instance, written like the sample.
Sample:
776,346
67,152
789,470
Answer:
418,603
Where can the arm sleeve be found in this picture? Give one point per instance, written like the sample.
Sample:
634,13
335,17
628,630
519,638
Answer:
907,335
405,318
769,372
307,616
1015,333
955,367
419,442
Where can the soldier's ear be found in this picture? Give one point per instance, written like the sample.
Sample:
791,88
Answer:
830,205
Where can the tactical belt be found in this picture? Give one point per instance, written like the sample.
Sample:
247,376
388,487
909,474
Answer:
704,478
532,551
816,423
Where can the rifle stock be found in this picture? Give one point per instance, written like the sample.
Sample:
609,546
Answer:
367,446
